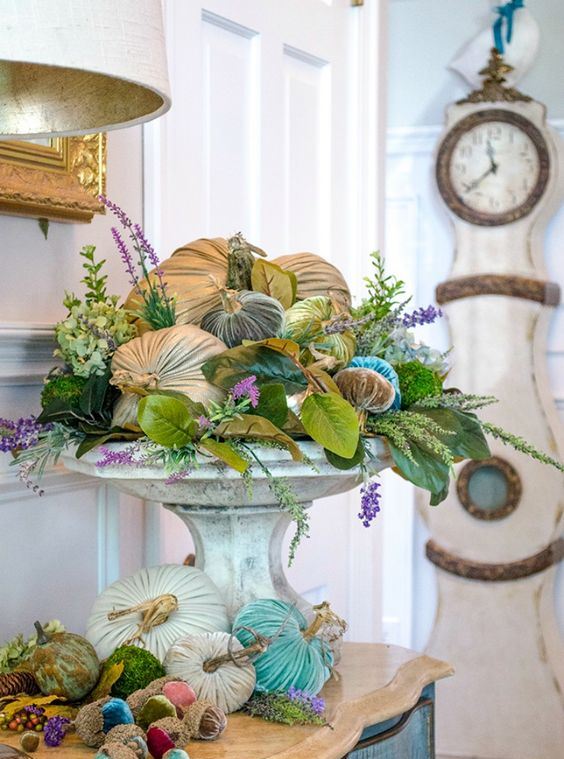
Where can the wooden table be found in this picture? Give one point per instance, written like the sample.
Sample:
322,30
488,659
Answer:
378,685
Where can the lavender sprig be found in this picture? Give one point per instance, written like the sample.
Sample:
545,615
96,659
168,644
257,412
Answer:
369,503
21,434
158,308
421,316
246,388
315,703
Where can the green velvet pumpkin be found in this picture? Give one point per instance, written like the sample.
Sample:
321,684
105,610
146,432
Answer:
305,323
295,656
244,315
64,665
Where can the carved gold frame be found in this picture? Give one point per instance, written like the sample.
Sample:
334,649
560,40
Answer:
60,181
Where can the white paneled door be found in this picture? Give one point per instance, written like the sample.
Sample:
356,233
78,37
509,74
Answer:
275,132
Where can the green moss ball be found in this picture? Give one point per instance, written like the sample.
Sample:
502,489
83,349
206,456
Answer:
67,387
417,382
140,669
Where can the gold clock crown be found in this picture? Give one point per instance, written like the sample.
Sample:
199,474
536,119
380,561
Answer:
494,89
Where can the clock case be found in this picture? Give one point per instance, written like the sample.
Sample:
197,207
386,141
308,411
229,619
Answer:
495,616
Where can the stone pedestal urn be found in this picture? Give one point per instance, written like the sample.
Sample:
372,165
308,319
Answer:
238,530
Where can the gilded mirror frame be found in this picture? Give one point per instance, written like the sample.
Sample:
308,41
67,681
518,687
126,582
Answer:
59,180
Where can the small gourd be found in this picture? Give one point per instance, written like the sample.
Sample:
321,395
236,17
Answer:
64,664
244,315
316,276
128,611
168,359
215,666
295,657
305,323
384,368
366,390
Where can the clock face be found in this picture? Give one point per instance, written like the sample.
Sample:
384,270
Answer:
492,167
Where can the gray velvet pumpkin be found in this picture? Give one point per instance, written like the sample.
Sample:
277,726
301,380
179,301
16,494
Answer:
244,315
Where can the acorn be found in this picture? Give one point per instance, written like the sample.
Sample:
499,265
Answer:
205,721
29,742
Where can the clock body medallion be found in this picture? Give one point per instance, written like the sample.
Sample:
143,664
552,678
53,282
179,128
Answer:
497,539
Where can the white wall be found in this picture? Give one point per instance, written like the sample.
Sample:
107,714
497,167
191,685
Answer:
55,551
424,35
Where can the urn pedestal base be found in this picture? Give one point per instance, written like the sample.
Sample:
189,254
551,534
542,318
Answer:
240,549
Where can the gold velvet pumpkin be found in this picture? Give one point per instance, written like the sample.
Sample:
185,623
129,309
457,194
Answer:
315,276
168,359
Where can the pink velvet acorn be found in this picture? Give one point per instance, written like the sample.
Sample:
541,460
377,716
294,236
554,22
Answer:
181,695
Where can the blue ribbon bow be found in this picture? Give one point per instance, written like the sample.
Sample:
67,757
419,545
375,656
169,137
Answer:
505,16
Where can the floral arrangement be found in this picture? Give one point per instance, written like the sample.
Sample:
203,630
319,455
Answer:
218,351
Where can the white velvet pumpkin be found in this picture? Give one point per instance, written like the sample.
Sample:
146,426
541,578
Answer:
229,686
167,359
200,608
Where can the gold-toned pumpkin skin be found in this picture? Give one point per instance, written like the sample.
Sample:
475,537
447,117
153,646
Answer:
316,276
244,315
168,359
191,274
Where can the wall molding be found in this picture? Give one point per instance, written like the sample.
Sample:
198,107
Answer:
57,480
423,139
26,352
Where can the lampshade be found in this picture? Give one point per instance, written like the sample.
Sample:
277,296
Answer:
79,66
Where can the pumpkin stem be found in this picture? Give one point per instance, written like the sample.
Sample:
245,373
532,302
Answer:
258,647
240,262
153,613
325,617
42,637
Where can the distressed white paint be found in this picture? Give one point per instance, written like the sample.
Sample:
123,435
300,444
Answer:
502,638
238,534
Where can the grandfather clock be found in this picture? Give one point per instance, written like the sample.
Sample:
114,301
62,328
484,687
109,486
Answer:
497,540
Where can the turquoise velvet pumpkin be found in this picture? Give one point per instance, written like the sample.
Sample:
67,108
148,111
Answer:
292,658
383,368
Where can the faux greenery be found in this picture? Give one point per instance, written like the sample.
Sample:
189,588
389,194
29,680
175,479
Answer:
417,382
140,669
65,387
280,707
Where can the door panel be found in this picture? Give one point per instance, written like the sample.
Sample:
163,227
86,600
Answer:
267,136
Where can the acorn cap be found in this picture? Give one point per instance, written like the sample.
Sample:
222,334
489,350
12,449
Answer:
205,721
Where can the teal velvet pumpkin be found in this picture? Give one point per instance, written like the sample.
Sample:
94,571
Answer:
383,368
294,657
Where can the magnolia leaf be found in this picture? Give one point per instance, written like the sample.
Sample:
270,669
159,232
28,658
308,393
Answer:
327,382
468,440
267,364
280,344
273,404
109,677
258,428
341,463
270,279
166,421
293,425
226,453
92,441
426,471
331,422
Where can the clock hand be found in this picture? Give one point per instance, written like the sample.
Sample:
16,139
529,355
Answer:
491,155
472,185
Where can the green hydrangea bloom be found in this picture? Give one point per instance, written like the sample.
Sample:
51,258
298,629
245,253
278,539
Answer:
18,650
91,333
417,382
66,387
140,669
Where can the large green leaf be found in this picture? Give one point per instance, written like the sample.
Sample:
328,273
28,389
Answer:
251,427
341,463
270,279
468,441
426,471
279,344
92,399
331,422
273,404
92,441
166,421
195,408
266,364
226,453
